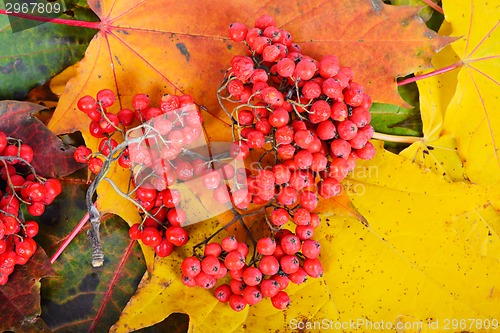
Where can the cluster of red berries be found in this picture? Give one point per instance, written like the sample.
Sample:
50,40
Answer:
282,259
20,185
314,120
154,139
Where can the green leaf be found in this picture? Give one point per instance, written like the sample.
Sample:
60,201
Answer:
83,298
32,56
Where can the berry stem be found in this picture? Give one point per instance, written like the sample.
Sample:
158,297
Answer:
70,238
434,6
430,74
74,23
396,138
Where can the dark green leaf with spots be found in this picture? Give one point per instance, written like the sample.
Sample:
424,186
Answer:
83,298
35,53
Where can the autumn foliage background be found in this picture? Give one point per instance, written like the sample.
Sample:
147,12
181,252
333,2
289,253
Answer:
415,236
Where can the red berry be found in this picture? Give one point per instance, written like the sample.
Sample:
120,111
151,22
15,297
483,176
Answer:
151,237
26,248
252,276
313,267
266,246
188,281
234,260
191,266
106,97
87,104
204,280
329,187
329,66
367,152
164,249
36,208
299,277
252,295
237,31
237,302
289,264
311,248
269,265
269,288
291,244
281,300
340,148
223,293
177,235
347,129
210,265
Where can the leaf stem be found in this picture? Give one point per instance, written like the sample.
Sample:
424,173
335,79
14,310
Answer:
430,74
434,6
74,23
396,138
70,238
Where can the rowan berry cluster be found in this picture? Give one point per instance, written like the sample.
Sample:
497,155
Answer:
309,122
20,185
152,140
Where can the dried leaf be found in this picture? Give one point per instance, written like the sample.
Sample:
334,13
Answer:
20,297
17,119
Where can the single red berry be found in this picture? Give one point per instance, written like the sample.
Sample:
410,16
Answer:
301,216
191,266
135,231
311,248
30,229
269,265
177,235
26,248
313,267
289,264
204,280
299,277
151,237
234,260
188,281
367,152
223,293
36,208
266,246
347,129
340,148
319,111
281,300
328,66
106,97
282,280
285,67
304,232
252,276
237,302
164,249
213,249
237,286
252,295
171,198
287,196
238,31
87,104
291,244
329,187
269,287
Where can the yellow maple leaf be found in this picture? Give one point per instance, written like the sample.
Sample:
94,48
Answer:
431,254
467,122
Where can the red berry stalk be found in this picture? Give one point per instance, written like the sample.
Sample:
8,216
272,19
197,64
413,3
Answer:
153,141
20,185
